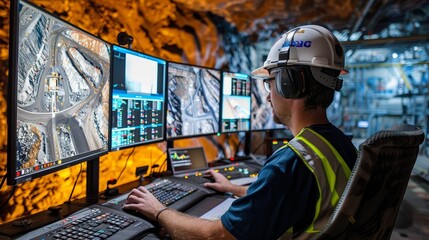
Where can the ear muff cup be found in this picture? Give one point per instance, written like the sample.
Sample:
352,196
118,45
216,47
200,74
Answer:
290,82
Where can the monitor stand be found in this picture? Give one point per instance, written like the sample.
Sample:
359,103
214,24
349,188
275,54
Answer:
92,180
247,143
170,144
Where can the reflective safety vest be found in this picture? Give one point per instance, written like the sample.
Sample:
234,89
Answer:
331,173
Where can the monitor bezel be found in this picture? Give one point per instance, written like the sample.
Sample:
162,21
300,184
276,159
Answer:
167,138
164,105
12,112
222,99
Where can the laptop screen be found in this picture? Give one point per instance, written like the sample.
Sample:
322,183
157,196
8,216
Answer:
185,160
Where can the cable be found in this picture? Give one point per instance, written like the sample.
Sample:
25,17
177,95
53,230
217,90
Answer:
109,192
163,163
260,145
162,154
75,182
125,166
2,181
151,167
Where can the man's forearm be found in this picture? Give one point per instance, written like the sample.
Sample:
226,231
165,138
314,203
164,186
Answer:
238,190
182,226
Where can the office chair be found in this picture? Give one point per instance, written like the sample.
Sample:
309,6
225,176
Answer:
369,205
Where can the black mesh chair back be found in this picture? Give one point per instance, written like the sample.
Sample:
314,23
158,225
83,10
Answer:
370,203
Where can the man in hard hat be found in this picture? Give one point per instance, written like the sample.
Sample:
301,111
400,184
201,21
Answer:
301,183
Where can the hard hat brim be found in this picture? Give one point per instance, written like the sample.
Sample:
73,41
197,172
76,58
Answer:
260,73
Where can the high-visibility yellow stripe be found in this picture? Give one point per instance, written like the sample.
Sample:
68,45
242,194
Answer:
332,178
326,170
319,201
344,165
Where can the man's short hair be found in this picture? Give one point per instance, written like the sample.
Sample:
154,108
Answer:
317,95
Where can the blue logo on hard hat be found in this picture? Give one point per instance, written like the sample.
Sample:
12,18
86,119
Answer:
305,44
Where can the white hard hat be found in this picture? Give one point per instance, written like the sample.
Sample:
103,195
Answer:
310,45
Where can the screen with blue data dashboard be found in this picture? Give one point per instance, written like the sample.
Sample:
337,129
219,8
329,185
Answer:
138,96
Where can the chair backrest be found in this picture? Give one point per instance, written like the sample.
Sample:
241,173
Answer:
371,200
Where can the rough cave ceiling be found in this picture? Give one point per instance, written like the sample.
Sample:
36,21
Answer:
190,30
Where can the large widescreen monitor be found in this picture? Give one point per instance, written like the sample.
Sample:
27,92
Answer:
138,94
59,94
193,100
236,102
262,112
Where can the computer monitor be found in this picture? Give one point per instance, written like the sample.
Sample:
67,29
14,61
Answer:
262,113
138,98
58,94
236,102
193,100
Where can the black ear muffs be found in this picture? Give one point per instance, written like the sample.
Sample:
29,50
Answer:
290,82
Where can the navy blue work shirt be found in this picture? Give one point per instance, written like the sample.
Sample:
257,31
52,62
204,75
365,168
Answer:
285,193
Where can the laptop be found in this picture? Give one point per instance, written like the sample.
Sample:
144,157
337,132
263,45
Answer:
191,163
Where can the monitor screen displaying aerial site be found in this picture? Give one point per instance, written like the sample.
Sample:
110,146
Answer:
262,112
137,98
236,100
193,100
59,94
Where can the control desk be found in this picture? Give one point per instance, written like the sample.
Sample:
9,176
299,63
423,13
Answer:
107,219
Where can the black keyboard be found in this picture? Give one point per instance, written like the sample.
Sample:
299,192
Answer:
168,191
94,222
175,193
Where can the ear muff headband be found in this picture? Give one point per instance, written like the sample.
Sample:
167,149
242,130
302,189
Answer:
289,80
284,51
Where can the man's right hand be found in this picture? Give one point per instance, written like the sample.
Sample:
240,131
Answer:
140,199
222,184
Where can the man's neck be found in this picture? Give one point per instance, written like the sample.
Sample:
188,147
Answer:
307,118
